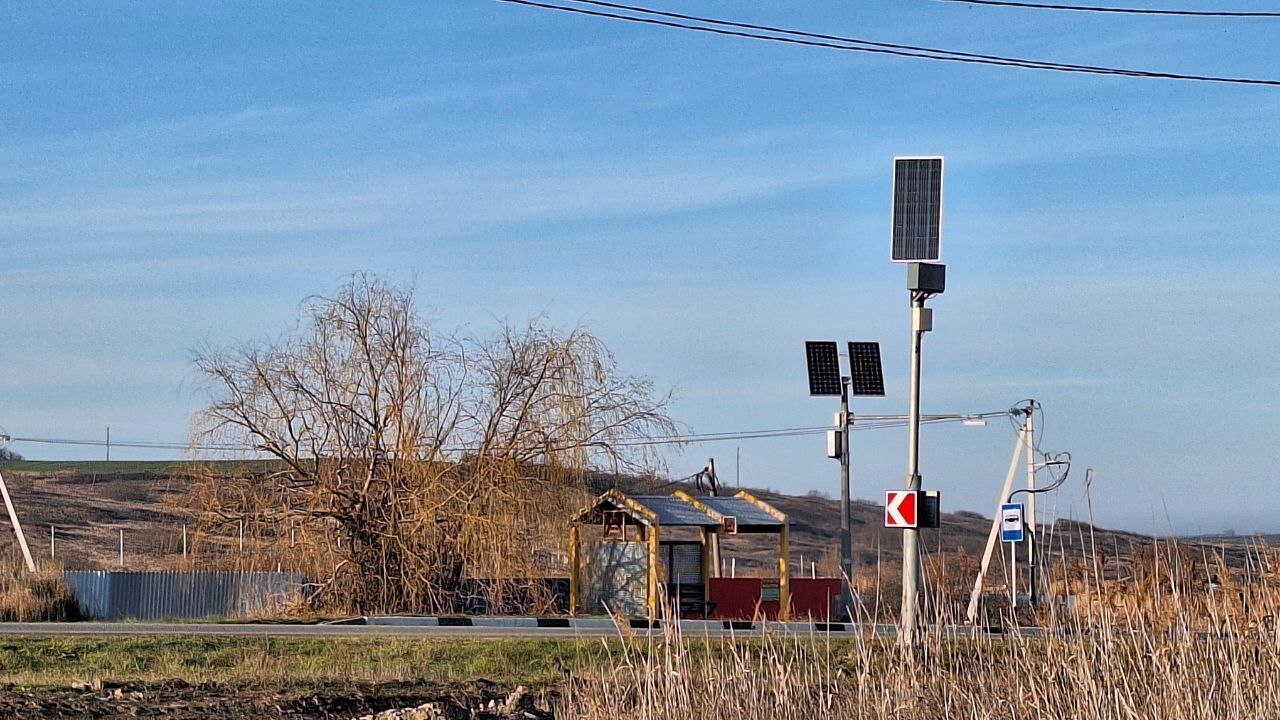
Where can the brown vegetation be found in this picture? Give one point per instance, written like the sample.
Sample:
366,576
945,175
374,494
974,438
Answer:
1152,645
33,597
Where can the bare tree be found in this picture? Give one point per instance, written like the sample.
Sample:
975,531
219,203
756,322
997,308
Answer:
412,461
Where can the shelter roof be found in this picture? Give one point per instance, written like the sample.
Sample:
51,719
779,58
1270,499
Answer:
683,510
747,512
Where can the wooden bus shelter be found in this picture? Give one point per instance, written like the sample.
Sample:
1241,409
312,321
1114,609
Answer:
619,516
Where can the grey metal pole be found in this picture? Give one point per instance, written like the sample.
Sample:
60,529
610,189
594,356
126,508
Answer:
846,529
121,547
1013,576
908,630
1033,588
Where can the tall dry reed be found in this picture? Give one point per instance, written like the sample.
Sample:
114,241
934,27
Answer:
1158,643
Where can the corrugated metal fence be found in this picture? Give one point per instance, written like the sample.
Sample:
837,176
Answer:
159,595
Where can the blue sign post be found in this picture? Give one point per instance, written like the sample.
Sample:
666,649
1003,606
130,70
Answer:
1011,522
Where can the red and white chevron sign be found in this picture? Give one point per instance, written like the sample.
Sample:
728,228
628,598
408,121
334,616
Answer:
900,509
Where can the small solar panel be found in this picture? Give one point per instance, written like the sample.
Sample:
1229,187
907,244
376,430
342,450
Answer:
917,209
866,377
823,359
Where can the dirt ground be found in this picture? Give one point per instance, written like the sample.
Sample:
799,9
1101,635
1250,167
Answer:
176,700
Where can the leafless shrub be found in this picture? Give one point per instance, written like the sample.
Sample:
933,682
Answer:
407,459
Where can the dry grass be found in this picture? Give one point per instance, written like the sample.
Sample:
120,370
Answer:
33,597
1111,673
1157,642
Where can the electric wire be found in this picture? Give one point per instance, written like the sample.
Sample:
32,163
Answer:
751,31
1122,10
879,422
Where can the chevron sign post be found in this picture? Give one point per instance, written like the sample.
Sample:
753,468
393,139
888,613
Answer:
900,509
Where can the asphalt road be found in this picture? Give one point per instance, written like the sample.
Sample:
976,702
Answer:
107,629
111,629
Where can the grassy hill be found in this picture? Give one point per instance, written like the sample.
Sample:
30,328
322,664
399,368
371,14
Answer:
89,503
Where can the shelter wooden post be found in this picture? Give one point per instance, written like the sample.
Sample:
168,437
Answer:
707,561
653,570
575,581
784,573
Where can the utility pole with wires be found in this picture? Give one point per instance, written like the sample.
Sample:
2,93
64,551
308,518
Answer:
1025,443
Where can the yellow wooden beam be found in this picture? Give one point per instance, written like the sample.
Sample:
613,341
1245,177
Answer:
705,536
653,571
773,511
718,517
784,573
575,581
618,498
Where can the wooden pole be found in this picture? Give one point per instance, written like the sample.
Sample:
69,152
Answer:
653,570
784,572
706,568
575,581
971,612
17,526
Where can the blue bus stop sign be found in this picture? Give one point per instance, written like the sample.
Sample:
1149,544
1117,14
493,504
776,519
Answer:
1011,522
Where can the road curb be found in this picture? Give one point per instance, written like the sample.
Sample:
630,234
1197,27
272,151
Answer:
597,623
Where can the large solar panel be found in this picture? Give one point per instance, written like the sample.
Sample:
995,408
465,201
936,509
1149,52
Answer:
866,377
823,359
917,209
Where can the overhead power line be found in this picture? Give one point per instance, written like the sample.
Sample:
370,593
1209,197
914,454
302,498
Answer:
869,422
1122,10
680,21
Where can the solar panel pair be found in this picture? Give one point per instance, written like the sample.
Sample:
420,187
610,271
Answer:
866,376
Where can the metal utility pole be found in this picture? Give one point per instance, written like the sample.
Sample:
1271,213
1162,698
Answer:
846,528
865,379
1033,584
911,537
108,443
916,239
923,281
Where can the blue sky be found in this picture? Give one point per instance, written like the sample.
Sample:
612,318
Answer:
179,174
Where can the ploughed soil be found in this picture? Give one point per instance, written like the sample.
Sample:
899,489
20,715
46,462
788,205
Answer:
176,700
